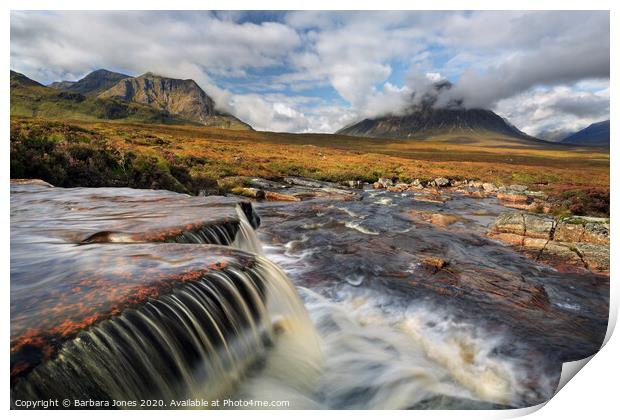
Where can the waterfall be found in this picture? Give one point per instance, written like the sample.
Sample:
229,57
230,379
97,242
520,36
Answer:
199,340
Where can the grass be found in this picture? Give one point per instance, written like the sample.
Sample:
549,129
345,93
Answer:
202,155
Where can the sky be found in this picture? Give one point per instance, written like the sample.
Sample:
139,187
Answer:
547,72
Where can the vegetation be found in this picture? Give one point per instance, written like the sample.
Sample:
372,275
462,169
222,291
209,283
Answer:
189,158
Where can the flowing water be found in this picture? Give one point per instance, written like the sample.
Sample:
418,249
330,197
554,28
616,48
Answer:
120,294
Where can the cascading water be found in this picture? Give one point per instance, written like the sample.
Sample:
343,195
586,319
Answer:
196,342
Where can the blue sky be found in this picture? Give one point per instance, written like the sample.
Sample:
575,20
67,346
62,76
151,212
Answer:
547,72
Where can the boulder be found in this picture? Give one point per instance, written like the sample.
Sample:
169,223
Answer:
385,182
510,223
512,197
442,182
489,187
538,226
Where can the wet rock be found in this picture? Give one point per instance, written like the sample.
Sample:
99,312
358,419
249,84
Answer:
443,219
442,182
475,184
435,262
266,184
431,198
39,182
277,196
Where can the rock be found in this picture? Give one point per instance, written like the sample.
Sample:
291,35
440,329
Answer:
305,182
595,257
442,182
443,219
354,184
512,197
416,183
385,182
517,187
475,184
40,182
572,241
435,262
276,196
583,229
510,223
431,198
569,232
377,186
538,226
489,187
249,192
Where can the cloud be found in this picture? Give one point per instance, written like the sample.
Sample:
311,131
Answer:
553,112
264,66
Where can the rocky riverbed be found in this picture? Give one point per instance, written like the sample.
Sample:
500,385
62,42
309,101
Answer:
421,295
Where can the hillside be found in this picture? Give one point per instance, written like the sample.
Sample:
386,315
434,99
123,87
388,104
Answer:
175,96
596,134
427,122
92,84
31,99
147,99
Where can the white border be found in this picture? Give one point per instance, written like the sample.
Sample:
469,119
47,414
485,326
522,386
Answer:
593,394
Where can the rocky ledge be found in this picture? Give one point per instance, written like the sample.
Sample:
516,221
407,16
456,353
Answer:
563,242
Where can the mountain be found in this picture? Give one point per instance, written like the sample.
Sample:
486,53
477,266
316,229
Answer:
92,84
430,122
175,96
18,80
146,99
31,99
426,120
596,134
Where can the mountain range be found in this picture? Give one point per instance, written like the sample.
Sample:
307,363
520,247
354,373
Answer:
107,95
151,98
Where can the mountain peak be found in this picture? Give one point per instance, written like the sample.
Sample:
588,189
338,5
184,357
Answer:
91,84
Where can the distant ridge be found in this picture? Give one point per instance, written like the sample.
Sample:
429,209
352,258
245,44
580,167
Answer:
597,134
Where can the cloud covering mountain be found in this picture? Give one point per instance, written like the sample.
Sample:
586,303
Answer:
545,71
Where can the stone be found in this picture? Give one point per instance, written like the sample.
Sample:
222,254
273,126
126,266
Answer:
443,219
489,187
595,257
385,182
512,197
435,262
510,223
442,182
276,196
249,192
538,226
517,187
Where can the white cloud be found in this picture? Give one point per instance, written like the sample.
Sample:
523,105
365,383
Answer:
496,59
